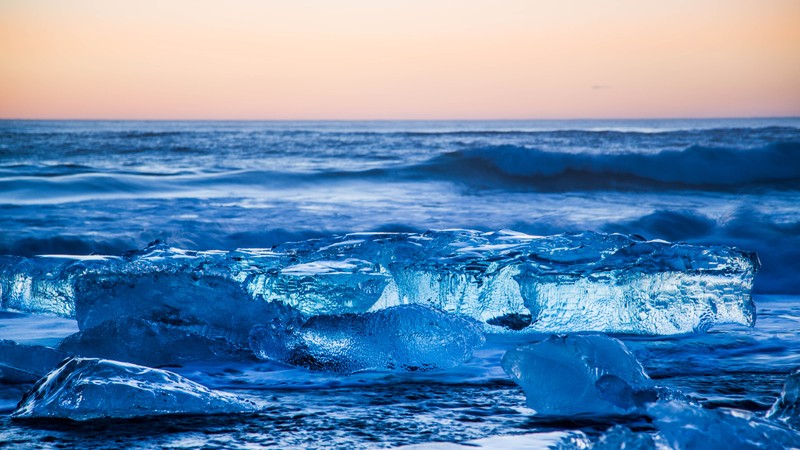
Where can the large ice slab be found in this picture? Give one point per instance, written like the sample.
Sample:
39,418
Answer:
579,375
84,389
787,407
510,281
401,338
26,363
140,341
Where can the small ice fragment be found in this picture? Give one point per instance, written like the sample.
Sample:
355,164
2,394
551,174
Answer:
85,389
401,338
579,375
685,426
787,406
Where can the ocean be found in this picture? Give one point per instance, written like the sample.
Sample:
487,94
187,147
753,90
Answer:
111,187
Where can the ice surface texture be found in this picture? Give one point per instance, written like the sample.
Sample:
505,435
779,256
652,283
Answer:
562,283
400,338
83,389
787,407
579,374
26,363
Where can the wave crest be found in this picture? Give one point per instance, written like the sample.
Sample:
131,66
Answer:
775,165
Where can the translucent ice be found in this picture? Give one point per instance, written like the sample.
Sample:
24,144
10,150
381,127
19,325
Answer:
84,389
510,281
26,363
787,407
44,284
689,427
401,338
579,374
140,341
639,287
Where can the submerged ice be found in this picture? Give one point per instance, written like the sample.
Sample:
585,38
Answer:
84,389
507,280
579,375
401,338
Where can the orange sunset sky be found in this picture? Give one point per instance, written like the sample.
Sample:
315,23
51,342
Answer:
411,59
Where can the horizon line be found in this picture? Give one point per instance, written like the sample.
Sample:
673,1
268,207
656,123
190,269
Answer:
549,119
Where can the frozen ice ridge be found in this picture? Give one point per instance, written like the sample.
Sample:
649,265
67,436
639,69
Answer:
509,281
787,406
579,375
401,338
84,389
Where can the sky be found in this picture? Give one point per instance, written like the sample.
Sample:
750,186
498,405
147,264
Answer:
409,59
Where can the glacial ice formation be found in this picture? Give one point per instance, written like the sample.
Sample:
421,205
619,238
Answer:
139,341
26,363
787,406
561,283
579,375
399,338
84,389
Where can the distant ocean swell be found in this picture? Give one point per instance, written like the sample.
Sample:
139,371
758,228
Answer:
773,166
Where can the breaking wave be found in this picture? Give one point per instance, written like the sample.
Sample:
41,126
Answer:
774,166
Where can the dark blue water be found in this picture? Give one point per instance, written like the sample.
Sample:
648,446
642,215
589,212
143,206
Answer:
108,187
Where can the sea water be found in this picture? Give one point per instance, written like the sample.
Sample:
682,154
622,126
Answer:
109,188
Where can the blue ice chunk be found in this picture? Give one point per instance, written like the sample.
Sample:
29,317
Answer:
26,363
787,407
139,341
507,280
579,375
401,338
86,388
617,284
687,426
